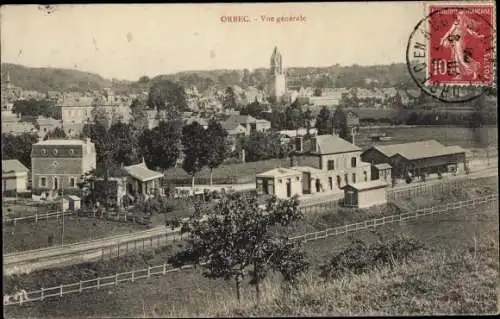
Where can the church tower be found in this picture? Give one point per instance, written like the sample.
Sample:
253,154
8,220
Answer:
277,83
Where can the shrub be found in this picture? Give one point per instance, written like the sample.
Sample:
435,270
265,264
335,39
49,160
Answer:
361,257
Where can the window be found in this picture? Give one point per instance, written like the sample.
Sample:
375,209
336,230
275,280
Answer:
353,162
43,182
330,181
71,152
339,181
55,164
331,165
346,177
55,151
72,182
365,176
44,151
353,178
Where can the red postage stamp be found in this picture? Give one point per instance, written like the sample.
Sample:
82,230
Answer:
461,44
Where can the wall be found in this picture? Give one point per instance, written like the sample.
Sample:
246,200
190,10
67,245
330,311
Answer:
17,181
372,197
281,187
343,166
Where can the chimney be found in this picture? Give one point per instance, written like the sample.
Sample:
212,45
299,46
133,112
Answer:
87,140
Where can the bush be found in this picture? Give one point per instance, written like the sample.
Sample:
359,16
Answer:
361,257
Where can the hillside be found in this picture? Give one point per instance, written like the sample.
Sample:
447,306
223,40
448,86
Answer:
53,79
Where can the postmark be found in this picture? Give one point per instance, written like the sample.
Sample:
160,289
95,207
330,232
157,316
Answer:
451,52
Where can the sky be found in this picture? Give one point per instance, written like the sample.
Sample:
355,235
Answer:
129,41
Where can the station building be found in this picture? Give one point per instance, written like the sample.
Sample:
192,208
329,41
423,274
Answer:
417,158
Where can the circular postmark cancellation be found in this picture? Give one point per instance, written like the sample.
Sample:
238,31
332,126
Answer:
451,52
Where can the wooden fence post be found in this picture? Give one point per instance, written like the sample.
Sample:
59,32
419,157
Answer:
81,288
118,249
60,290
164,268
98,282
42,294
149,271
116,279
36,216
133,275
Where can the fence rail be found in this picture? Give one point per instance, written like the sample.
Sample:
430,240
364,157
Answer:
37,217
163,269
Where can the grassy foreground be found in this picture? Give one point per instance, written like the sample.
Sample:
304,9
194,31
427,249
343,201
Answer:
461,283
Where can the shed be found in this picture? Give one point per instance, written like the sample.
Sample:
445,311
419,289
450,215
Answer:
71,203
365,194
281,182
14,176
382,171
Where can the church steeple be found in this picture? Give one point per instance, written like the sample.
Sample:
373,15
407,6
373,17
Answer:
276,62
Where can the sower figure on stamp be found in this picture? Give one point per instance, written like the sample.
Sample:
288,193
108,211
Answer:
454,38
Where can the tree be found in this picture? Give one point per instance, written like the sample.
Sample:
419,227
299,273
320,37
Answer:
144,79
168,96
340,124
18,147
293,116
264,145
161,146
229,99
56,133
235,241
37,108
318,92
122,143
324,121
194,143
218,145
254,109
307,117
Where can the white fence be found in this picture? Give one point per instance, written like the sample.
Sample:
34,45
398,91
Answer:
59,291
37,217
368,224
427,188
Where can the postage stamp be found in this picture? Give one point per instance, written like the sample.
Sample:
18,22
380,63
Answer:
451,51
460,44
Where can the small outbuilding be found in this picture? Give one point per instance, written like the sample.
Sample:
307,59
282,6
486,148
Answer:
281,182
71,203
14,177
382,171
365,194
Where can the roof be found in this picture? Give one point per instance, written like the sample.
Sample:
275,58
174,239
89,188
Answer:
13,165
393,149
241,119
62,142
279,172
307,169
73,197
141,172
383,166
228,126
331,144
418,150
364,186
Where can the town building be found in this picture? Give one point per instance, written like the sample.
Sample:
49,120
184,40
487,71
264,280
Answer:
280,182
339,159
14,177
417,158
249,123
234,131
59,163
141,181
277,82
382,171
46,125
365,194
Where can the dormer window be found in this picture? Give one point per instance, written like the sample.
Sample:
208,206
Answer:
44,151
71,152
55,151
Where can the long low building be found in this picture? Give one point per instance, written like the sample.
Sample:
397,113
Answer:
417,158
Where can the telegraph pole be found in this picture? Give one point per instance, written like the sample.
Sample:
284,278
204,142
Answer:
62,206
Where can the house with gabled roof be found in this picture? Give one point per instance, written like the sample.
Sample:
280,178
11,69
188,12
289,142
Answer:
250,123
339,159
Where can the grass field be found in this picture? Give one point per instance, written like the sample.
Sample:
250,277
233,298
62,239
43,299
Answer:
13,210
190,294
31,235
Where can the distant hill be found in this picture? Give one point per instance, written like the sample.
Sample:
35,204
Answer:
52,79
